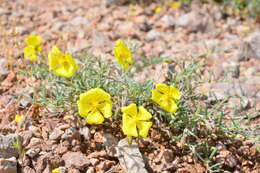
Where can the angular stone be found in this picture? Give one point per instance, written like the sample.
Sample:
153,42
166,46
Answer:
56,134
7,148
79,21
75,160
130,157
8,165
71,133
153,35
85,132
3,69
250,47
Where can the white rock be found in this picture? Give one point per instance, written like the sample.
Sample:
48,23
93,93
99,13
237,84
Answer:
130,157
79,21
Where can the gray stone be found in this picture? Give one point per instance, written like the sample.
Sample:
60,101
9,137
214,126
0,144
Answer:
250,47
153,35
85,132
56,134
71,133
222,90
79,21
192,21
7,148
90,170
239,103
231,68
22,30
99,39
35,143
32,152
110,143
75,160
4,11
130,157
168,20
8,165
251,71
58,26
3,69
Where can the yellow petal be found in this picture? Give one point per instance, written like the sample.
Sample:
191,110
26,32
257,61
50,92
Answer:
143,128
163,88
29,53
156,96
130,110
143,114
18,118
53,57
158,10
129,126
57,170
84,108
33,40
175,93
169,106
95,95
175,4
95,118
123,54
106,108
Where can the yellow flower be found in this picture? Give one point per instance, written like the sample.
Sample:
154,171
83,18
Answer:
61,64
158,10
56,170
95,105
135,121
123,54
33,40
18,118
166,97
33,47
175,4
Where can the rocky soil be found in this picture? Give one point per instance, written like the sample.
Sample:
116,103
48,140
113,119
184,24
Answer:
231,45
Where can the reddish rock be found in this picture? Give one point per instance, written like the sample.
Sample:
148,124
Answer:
75,160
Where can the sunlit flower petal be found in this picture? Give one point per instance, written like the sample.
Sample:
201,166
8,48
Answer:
143,114
95,118
30,53
135,121
123,54
57,170
164,89
61,64
166,96
33,40
143,128
18,118
129,126
130,110
95,105
106,108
